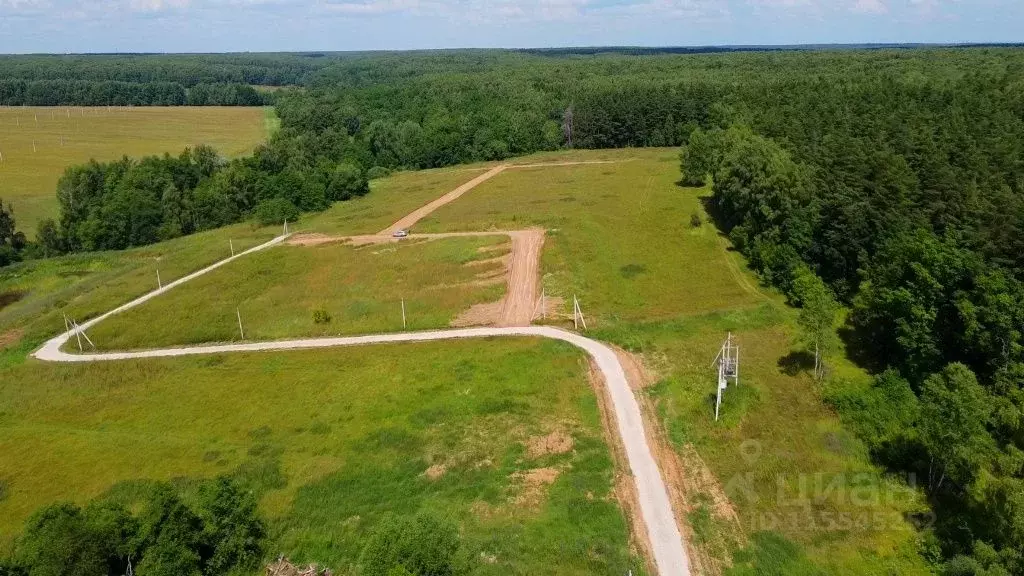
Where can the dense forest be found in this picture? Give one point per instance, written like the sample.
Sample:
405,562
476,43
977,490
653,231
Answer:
60,92
115,205
887,183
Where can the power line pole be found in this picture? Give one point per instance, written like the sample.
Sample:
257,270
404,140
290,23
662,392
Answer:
728,364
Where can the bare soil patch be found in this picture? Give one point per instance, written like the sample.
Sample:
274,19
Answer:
558,442
312,239
638,374
523,293
10,337
532,486
485,314
435,471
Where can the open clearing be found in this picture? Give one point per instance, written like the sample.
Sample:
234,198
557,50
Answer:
333,439
86,285
618,236
38,143
361,289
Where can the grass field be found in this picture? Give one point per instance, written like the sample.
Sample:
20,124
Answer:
38,143
35,294
620,239
805,497
278,290
331,440
389,199
619,235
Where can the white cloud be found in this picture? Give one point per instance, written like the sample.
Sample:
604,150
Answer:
870,7
156,5
371,7
781,3
16,6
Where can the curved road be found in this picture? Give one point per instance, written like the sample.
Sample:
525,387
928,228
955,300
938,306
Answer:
655,507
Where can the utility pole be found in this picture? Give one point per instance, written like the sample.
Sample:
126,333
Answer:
728,364
577,314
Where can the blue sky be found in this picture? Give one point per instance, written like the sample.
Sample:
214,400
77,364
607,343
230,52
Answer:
272,25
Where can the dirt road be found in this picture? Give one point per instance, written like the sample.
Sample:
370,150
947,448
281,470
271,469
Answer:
422,212
655,507
659,522
521,298
523,293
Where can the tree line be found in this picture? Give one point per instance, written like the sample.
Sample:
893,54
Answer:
128,202
213,532
221,534
903,203
186,69
67,92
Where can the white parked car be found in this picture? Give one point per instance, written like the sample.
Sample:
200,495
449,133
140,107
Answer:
400,233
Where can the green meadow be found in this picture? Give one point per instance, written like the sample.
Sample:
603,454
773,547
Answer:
389,199
35,295
620,238
331,440
328,289
619,235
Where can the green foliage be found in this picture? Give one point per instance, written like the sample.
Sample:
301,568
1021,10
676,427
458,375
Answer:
233,528
166,539
817,316
59,540
695,219
320,316
12,242
698,158
763,195
955,412
347,181
275,211
421,545
377,172
883,415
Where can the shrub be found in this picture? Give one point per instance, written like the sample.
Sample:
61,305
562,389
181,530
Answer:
695,219
347,181
377,172
423,545
321,317
275,211
233,529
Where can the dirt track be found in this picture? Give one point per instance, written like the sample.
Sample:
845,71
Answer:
422,212
523,278
522,296
656,512
659,523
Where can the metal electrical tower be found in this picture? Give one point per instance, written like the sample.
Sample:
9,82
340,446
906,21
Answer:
728,364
